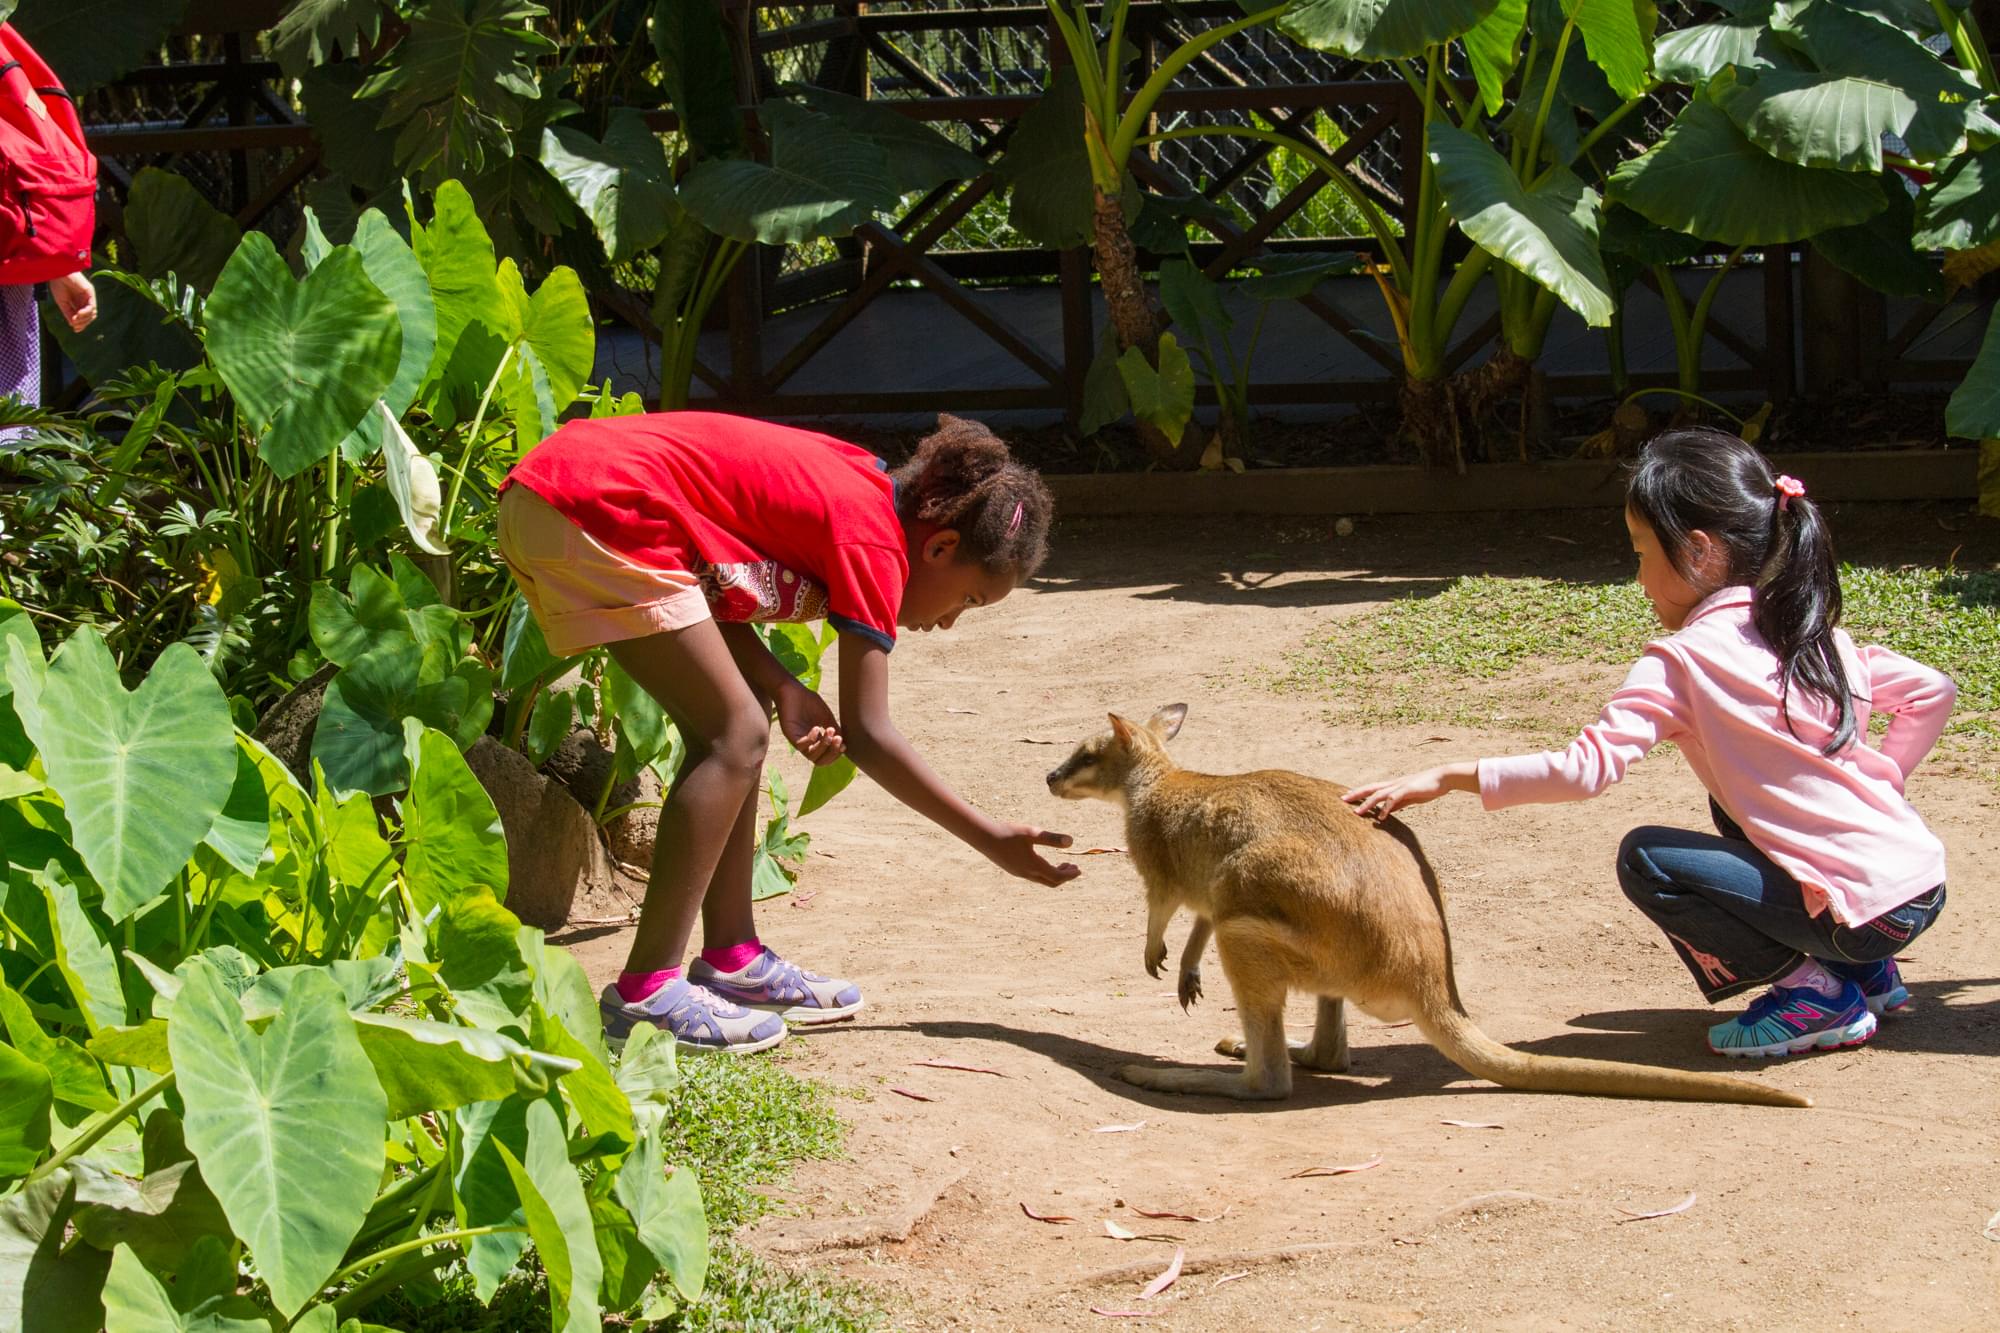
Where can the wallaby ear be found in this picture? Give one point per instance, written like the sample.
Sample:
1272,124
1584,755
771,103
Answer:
1122,729
1166,723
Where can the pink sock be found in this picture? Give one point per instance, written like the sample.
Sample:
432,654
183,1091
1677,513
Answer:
1811,975
636,986
732,957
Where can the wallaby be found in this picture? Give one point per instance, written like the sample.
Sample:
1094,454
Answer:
1302,894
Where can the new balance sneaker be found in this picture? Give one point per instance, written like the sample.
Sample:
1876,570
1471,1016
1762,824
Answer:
1881,983
768,982
1790,1020
697,1018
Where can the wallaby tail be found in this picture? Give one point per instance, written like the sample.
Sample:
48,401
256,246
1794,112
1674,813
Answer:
1455,1034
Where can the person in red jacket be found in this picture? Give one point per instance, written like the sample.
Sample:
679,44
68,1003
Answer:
664,537
48,188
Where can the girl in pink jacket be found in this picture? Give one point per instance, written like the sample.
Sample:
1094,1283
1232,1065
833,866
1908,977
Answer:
1820,870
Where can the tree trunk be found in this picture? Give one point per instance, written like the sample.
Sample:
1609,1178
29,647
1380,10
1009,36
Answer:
1430,421
1138,320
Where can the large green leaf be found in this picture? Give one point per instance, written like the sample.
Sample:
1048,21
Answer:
1379,29
1195,304
36,1275
558,1218
919,157
242,828
1618,36
625,183
823,179
143,773
392,266
134,1298
479,959
1960,210
598,1101
89,43
457,256
1974,410
1047,167
459,83
1163,398
1288,277
428,1066
1549,233
1695,54
73,1076
827,781
554,345
668,1212
482,1190
304,359
82,958
1879,252
699,74
1706,179
162,1216
452,837
26,1098
1815,120
344,124
312,30
287,1124
1493,46
174,230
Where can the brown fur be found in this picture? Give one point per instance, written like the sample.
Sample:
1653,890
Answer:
1302,894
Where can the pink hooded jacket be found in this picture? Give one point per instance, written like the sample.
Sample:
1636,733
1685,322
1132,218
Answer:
1838,824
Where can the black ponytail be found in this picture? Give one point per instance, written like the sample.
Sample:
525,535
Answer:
963,477
1776,541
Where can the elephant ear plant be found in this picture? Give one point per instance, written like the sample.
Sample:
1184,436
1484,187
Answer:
270,1058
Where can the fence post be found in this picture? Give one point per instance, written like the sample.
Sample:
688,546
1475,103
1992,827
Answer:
1829,324
1780,374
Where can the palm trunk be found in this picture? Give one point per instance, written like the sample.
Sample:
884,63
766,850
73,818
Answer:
1430,422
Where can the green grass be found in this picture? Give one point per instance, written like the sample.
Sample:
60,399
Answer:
741,1124
1538,654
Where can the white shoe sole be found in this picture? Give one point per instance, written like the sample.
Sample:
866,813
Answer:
1860,1030
806,1016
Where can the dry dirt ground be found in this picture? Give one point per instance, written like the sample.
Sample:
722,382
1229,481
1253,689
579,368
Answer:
1865,1211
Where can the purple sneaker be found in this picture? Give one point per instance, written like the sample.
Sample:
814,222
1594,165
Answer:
770,983
1791,1020
1881,983
696,1018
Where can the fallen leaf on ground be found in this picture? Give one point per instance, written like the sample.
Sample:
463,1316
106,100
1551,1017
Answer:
1405,1023
1566,541
1433,740
1031,740
1182,1217
1123,1314
1992,1231
1046,1217
1166,1279
1228,1277
1474,1124
1680,1207
968,712
1368,1165
804,899
913,1096
1102,851
950,1064
1119,1129
1116,1232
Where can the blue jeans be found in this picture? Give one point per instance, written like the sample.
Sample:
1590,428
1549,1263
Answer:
1738,921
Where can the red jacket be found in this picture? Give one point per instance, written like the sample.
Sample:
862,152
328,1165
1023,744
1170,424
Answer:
48,177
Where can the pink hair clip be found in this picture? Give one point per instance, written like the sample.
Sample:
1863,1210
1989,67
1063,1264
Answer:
1014,523
1789,489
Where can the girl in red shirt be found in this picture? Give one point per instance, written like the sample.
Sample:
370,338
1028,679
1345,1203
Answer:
661,537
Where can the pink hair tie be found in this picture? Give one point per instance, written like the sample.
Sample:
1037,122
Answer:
1789,489
1014,523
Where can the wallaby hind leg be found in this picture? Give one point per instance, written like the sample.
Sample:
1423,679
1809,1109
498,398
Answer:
1326,1052
1260,1003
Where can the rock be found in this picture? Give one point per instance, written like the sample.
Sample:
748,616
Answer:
633,832
584,766
287,729
554,854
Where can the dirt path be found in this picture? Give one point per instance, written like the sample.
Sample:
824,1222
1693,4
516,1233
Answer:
1865,1210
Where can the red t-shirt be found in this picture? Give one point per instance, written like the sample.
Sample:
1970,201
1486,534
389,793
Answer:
778,523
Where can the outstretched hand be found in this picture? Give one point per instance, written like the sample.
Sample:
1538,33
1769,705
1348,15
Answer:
809,724
1012,848
1379,800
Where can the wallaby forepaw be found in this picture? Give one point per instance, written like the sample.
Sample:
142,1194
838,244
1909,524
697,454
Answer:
1190,989
1156,958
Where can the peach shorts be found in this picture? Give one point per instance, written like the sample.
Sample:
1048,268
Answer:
581,592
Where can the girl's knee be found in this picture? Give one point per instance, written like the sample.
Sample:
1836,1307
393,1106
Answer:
1638,874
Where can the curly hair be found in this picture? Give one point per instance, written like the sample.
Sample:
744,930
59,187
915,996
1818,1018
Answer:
963,477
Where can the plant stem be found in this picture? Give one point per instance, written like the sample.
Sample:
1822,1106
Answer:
472,442
1968,46
329,542
420,1243
1699,320
1549,94
1691,397
1140,109
105,1122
